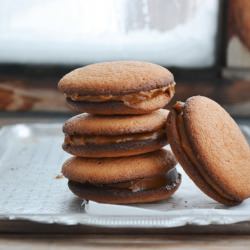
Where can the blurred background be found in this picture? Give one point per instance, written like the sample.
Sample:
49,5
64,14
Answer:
205,43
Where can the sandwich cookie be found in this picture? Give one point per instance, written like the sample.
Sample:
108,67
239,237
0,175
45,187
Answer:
241,20
136,179
121,87
211,148
114,136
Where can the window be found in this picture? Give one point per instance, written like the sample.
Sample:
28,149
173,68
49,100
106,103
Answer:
172,33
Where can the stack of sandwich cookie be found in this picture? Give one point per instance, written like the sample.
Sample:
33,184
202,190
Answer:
117,145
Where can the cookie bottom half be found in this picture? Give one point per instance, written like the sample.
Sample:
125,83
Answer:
106,194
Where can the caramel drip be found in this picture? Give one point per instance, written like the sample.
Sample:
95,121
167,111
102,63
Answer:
129,100
169,181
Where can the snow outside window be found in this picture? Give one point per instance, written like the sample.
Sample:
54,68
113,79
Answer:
169,32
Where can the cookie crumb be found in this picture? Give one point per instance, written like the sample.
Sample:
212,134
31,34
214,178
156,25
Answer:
59,176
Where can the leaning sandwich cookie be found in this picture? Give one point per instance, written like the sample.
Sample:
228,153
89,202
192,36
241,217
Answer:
136,179
211,148
120,87
115,136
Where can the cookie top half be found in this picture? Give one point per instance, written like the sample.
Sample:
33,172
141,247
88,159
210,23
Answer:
113,170
219,143
115,78
86,124
211,148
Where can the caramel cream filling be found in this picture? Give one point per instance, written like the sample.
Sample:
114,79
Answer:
130,99
169,181
188,152
79,140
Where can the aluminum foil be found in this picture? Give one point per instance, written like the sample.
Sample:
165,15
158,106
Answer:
32,188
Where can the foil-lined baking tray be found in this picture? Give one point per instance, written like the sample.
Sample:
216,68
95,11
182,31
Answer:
32,190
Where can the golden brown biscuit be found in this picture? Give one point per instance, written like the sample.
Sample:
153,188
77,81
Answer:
211,148
121,87
115,136
135,179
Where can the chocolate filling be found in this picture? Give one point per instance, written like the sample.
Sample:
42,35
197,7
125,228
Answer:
76,140
116,149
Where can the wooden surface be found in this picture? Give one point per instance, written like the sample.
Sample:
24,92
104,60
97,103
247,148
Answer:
123,242
34,88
